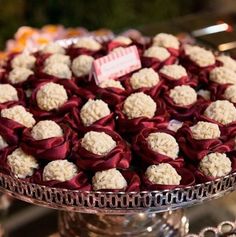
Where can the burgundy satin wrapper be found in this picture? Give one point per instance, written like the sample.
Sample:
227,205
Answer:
133,182
40,59
174,52
217,91
150,157
4,167
56,148
119,157
187,176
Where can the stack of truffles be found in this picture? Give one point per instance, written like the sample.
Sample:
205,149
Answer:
170,124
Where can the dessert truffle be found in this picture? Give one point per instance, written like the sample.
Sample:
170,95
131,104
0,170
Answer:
215,165
46,129
164,144
183,95
227,62
108,179
157,52
111,83
51,96
19,74
59,70
204,94
223,75
3,143
122,40
21,164
93,110
145,77
59,170
174,71
8,93
58,58
53,48
23,60
221,111
139,105
88,43
166,41
230,93
98,143
19,115
163,174
205,130
81,66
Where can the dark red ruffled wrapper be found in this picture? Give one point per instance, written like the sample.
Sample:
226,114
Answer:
174,52
119,157
40,59
4,167
150,157
217,91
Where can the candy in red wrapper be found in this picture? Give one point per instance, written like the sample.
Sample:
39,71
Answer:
4,167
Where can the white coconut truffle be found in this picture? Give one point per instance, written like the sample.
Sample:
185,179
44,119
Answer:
166,41
59,70
111,83
98,143
139,105
183,95
108,179
81,65
58,58
88,43
215,165
3,143
8,93
174,71
200,56
93,110
157,52
221,111
227,62
230,93
205,130
145,77
23,60
163,143
21,164
223,75
19,114
122,40
204,94
19,74
46,129
59,170
53,48
163,174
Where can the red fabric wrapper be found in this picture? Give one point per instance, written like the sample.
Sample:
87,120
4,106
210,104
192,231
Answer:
150,157
119,157
187,176
4,167
56,148
174,52
217,91
41,58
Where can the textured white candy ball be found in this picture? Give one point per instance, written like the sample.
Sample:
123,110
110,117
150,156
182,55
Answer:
93,110
20,115
60,70
122,40
51,96
183,95
166,41
59,170
157,52
98,143
227,62
46,129
21,164
8,93
88,43
174,71
53,48
81,65
221,111
58,58
23,60
3,143
205,130
145,77
230,93
164,144
139,105
108,179
111,83
19,74
223,75
163,174
215,165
